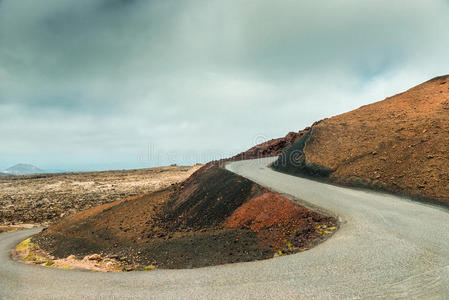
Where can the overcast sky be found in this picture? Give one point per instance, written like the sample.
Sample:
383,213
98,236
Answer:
107,84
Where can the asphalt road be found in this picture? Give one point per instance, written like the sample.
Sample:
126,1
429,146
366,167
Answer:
387,247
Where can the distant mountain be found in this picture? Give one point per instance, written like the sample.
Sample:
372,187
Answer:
23,169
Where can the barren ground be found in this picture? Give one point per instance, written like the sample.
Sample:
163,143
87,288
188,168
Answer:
42,199
214,217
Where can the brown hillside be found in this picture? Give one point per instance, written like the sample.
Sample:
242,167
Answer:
400,144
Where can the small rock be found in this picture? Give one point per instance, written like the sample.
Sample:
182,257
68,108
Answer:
129,268
94,257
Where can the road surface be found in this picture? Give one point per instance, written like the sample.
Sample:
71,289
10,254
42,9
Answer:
387,247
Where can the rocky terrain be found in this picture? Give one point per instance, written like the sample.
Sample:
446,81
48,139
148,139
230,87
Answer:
45,198
400,145
214,217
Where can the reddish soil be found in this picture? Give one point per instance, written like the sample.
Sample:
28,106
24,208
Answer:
272,147
276,219
400,144
266,211
214,217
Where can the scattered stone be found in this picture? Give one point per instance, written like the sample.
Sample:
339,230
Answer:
94,257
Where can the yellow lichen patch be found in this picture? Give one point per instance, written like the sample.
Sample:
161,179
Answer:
25,245
29,257
49,263
30,253
27,251
324,230
149,268
38,260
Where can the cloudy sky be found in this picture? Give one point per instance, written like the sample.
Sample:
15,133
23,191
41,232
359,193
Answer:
107,84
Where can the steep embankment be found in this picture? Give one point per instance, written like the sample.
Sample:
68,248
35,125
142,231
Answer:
400,144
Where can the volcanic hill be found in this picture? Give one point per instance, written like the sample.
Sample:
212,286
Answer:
23,169
400,145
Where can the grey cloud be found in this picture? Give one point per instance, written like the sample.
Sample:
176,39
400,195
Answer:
87,82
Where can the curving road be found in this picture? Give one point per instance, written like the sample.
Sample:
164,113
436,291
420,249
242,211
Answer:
387,247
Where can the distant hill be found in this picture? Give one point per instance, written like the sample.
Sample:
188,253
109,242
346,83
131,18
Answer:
23,169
